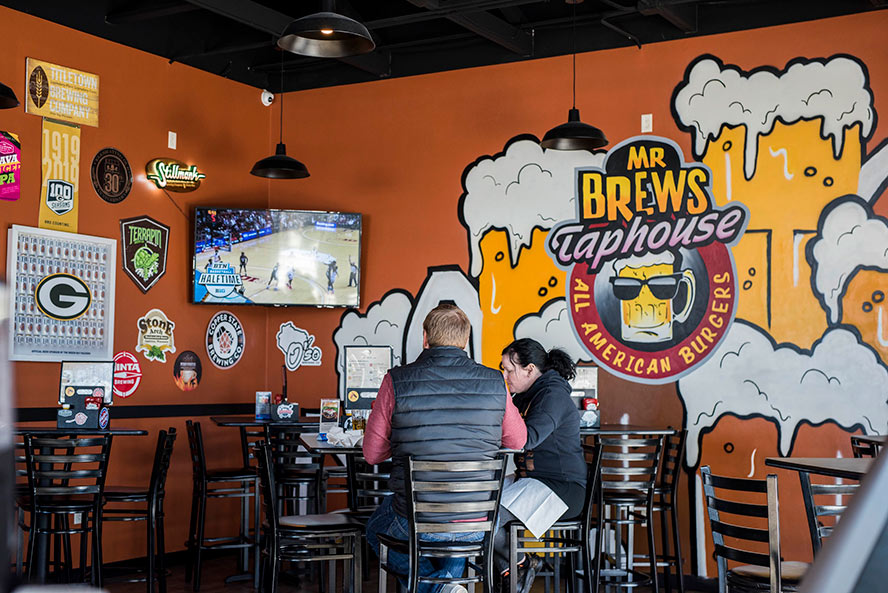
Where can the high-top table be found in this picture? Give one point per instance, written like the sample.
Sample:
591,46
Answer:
41,552
848,467
627,429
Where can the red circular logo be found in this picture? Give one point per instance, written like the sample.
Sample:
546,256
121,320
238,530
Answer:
654,318
127,374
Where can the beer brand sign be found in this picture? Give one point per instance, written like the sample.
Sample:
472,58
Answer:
652,287
62,93
143,242
173,175
10,166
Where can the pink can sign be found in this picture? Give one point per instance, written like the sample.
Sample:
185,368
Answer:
127,374
10,166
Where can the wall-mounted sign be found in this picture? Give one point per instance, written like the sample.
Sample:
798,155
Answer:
651,282
61,176
225,340
297,346
187,371
63,304
156,335
173,175
127,374
10,166
143,245
62,93
111,175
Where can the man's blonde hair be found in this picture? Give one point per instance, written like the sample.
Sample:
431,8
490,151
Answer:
447,325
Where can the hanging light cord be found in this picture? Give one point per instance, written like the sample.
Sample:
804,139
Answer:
281,127
573,35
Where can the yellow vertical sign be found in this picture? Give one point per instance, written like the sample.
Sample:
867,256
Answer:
61,176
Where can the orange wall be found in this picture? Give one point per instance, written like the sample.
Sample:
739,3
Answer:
393,150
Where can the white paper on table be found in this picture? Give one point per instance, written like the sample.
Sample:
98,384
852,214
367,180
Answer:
345,438
534,504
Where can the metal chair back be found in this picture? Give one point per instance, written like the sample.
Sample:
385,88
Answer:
249,436
629,466
367,484
862,449
733,499
262,452
198,456
66,466
823,514
162,455
670,464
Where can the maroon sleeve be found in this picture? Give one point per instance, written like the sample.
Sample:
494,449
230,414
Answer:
378,433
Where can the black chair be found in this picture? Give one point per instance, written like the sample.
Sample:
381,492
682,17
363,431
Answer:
299,475
212,484
429,485
629,467
137,503
665,495
566,538
303,538
754,532
66,475
823,515
860,448
367,486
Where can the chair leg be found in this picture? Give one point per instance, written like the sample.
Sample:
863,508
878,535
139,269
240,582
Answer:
383,559
652,548
257,499
161,554
513,559
192,534
676,543
358,572
243,556
20,541
275,567
199,542
598,550
664,541
149,576
97,544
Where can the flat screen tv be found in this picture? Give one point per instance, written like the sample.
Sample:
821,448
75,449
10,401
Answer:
276,257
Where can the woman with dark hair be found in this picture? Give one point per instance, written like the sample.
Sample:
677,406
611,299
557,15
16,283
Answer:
553,453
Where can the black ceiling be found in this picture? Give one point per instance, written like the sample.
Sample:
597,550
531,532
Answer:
236,38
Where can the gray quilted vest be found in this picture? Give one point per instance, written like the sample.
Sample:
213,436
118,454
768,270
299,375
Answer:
447,408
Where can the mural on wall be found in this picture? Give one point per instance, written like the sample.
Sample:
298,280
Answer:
784,149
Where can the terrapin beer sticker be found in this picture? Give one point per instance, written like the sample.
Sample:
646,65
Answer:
173,175
111,175
143,243
127,374
155,335
61,176
62,297
225,340
62,93
652,286
10,166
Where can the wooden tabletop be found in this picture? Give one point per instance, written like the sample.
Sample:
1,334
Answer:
55,431
850,467
628,429
245,421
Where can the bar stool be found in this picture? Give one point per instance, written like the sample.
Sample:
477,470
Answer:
210,484
299,475
67,475
122,499
861,448
628,476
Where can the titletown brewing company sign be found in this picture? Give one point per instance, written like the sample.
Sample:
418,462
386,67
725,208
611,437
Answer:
173,175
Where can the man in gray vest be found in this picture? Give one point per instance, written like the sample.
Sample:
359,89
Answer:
443,406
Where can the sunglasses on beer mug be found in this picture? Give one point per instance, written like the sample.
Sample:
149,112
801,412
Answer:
663,287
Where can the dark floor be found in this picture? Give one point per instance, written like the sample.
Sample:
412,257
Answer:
217,569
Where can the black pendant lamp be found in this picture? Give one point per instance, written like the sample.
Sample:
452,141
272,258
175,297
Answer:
574,135
279,165
8,100
326,34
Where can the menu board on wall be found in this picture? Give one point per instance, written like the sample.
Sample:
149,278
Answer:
61,302
365,368
62,93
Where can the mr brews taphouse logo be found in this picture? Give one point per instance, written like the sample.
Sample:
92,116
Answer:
651,280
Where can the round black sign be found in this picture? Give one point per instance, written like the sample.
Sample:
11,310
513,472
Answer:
111,175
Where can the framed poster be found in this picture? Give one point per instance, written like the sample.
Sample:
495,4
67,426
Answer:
61,301
365,367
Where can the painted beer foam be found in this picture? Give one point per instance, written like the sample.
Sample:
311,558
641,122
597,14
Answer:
713,95
551,328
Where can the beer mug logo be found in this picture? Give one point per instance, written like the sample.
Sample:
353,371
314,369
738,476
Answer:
647,287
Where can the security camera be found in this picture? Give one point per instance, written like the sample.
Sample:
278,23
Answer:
267,98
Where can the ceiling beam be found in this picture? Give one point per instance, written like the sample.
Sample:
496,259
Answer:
682,15
121,17
488,26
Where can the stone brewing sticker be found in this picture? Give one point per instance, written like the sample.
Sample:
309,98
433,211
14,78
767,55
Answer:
127,374
187,371
225,340
155,335
111,175
652,287
143,243
10,166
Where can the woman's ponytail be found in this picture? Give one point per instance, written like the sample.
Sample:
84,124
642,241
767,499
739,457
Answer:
560,361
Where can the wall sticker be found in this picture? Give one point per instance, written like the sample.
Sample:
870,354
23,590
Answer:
143,245
187,371
298,347
60,187
156,336
10,166
62,93
225,340
111,175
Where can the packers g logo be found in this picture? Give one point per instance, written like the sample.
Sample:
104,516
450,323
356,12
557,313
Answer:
62,297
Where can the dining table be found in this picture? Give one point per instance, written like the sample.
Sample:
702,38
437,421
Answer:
850,468
41,545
